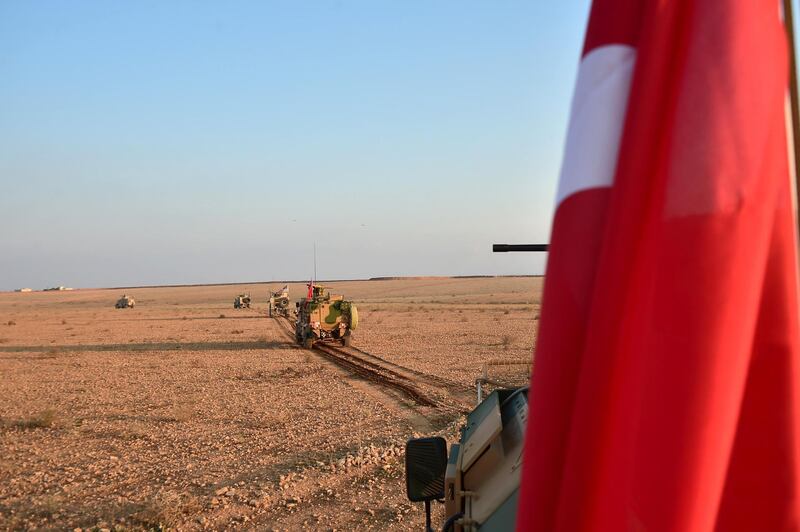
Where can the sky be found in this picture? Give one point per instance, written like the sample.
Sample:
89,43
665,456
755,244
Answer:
178,142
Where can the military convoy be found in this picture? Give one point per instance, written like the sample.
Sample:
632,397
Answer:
125,302
478,480
279,303
322,316
242,301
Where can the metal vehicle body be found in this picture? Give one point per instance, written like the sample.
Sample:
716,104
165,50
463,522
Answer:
323,316
279,302
479,481
242,301
125,302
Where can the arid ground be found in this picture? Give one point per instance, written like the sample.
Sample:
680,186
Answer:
184,413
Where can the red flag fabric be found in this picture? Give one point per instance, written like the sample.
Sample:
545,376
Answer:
310,290
665,394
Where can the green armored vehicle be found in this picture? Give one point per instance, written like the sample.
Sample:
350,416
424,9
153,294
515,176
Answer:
323,316
125,302
279,302
242,301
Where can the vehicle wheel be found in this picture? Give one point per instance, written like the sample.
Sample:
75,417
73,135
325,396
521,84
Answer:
308,343
347,340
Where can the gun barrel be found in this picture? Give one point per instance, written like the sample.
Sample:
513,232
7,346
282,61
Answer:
505,248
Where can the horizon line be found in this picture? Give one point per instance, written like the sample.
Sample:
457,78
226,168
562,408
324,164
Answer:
189,285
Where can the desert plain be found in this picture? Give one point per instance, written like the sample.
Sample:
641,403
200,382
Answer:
183,413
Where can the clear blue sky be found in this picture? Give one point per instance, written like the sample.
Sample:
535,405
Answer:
187,142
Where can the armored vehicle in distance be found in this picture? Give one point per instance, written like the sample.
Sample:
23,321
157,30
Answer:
125,302
242,301
323,316
279,302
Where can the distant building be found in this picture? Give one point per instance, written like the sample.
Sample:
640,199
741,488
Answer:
57,289
23,290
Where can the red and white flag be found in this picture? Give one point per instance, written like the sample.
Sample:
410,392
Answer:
666,389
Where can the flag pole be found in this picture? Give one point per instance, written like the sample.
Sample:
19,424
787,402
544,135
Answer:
788,20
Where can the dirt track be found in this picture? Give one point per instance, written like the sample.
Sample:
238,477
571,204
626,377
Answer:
187,413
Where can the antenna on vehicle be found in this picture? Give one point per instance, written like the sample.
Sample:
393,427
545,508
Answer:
315,263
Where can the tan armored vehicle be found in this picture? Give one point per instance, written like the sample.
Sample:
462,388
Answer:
279,302
323,316
125,302
479,482
242,301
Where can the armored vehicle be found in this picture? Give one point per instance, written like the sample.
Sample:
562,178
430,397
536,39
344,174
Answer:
279,302
323,316
479,481
242,301
125,302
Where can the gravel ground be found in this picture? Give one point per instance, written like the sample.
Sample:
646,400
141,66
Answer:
185,413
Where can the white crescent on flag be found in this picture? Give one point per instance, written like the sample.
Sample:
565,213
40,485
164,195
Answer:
596,119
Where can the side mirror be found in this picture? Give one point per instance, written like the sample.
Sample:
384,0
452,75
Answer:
426,462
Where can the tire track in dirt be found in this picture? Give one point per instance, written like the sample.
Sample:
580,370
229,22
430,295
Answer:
459,391
371,371
390,397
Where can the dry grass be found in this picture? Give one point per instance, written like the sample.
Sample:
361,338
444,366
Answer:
43,420
180,413
49,505
505,341
166,510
